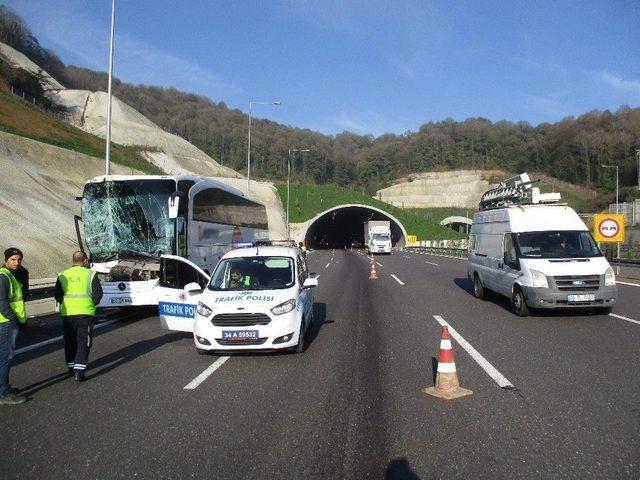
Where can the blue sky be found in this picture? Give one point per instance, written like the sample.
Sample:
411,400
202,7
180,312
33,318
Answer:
367,66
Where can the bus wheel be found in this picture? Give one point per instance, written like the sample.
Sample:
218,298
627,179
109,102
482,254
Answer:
478,288
519,304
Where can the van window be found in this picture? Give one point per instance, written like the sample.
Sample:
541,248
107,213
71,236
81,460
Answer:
557,244
510,249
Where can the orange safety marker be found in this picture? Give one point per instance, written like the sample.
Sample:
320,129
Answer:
447,384
374,275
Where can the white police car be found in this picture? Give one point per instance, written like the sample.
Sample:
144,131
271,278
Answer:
269,306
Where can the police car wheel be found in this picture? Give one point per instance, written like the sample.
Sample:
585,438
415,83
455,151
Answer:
299,348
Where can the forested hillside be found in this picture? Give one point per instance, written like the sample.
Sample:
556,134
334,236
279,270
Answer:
572,149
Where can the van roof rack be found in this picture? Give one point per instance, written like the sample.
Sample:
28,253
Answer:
516,190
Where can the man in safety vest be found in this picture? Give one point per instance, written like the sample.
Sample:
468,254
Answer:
12,316
78,291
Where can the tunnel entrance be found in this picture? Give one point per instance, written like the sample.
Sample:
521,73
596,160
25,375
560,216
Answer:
343,226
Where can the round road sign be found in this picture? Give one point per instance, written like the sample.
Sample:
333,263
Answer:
608,227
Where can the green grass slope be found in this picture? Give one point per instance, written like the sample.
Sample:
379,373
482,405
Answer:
307,201
24,119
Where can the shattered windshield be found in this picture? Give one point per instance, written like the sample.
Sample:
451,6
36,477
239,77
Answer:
128,218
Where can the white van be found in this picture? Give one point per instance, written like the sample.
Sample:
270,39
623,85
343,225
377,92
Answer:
537,252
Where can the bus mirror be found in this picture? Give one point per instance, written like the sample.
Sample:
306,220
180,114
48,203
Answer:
174,204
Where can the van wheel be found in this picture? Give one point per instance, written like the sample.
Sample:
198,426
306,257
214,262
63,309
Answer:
519,304
478,288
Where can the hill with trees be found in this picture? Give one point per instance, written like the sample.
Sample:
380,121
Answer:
572,149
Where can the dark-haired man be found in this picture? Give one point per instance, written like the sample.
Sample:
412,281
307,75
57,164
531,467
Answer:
12,315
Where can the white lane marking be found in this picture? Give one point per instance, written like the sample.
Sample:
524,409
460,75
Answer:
327,265
379,263
56,339
628,283
480,360
431,263
625,318
204,375
397,279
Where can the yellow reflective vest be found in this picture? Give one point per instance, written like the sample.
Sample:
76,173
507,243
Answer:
76,285
16,302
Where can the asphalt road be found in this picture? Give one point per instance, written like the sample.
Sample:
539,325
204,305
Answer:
351,406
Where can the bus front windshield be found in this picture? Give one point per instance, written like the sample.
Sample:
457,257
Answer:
128,218
557,244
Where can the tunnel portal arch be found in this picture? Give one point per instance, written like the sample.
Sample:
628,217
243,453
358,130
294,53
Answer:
458,223
343,225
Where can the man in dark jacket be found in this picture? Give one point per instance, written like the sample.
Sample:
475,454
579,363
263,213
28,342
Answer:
78,291
12,316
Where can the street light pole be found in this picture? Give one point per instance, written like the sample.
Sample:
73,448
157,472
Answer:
291,150
617,208
617,182
107,158
249,139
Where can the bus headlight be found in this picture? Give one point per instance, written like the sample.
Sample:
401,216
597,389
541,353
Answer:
203,310
285,307
539,279
609,277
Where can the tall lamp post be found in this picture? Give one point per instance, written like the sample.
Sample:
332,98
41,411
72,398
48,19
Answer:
249,140
617,208
617,177
107,158
291,150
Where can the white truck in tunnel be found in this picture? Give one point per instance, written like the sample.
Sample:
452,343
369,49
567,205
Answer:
377,236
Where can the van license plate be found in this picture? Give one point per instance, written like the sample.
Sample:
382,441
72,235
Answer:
581,298
240,335
121,300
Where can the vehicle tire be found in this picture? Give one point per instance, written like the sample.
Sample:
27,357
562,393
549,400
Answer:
519,303
478,288
299,348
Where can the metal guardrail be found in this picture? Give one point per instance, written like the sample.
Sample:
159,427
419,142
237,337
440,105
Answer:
462,252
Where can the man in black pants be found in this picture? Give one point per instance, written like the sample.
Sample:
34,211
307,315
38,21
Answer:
78,291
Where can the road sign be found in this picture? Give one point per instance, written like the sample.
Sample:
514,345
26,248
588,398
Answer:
609,227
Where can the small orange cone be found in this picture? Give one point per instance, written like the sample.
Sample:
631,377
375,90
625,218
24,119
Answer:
447,385
374,275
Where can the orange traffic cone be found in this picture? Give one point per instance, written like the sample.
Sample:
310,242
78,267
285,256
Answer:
447,385
374,275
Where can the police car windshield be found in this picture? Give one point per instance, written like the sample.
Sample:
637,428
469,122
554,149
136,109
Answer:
557,244
253,273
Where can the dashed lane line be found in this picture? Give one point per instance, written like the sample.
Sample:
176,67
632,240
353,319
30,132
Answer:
480,360
397,279
629,283
379,264
193,384
327,265
57,339
431,263
624,318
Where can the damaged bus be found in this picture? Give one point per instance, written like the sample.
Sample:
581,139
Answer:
130,221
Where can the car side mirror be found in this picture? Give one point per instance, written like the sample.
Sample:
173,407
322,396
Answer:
192,288
310,282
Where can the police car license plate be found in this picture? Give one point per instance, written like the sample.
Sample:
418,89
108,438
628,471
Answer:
581,298
239,335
